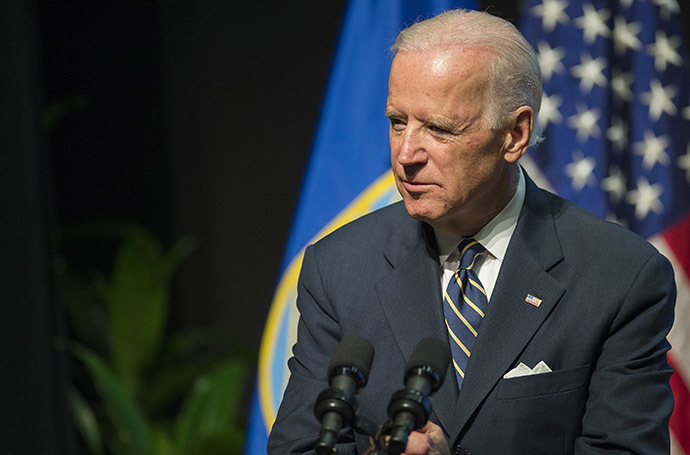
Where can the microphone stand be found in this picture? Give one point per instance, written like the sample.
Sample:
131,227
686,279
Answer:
376,432
409,407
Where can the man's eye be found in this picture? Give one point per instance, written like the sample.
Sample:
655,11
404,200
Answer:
397,124
438,129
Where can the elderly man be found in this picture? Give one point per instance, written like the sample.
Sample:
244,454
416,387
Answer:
556,320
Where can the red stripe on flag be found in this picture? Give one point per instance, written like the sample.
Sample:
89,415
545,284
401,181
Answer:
678,239
680,420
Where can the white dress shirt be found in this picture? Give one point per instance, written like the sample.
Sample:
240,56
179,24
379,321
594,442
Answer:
495,237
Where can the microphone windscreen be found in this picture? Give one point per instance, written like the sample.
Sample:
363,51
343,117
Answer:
353,351
430,352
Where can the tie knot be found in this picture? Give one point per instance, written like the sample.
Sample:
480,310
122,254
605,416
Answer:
470,250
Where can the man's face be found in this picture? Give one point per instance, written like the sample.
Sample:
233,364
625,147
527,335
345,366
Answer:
448,165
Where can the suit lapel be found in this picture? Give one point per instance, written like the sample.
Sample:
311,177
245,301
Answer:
408,294
511,322
411,300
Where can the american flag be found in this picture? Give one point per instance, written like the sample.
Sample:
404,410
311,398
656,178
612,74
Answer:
616,111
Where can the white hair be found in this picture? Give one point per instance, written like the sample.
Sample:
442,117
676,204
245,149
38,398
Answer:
514,73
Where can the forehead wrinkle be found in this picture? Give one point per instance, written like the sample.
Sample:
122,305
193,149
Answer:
452,115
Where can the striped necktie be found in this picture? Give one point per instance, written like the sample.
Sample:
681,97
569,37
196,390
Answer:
464,304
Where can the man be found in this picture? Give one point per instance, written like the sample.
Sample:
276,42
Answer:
568,353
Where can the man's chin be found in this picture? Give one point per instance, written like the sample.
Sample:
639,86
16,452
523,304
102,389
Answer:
419,213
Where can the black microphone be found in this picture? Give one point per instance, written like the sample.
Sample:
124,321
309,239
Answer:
347,374
409,408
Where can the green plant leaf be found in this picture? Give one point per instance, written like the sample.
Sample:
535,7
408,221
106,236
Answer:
86,422
185,356
210,411
137,297
162,444
127,419
180,250
174,370
86,310
229,442
195,341
169,385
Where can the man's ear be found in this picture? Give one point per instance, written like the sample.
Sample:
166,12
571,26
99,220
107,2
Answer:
519,131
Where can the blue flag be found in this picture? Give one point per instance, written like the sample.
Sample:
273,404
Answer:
348,174
617,139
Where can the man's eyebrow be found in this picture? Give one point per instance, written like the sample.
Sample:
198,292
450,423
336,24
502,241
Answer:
444,124
391,113
441,122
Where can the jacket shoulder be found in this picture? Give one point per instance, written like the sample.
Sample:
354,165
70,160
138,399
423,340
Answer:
581,229
371,229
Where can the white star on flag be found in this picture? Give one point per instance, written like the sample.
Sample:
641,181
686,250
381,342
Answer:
549,113
590,72
615,184
593,23
659,99
620,84
580,171
664,50
653,150
646,198
552,12
684,163
666,8
550,59
625,35
585,121
618,133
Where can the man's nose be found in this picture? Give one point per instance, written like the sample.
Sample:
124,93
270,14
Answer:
412,149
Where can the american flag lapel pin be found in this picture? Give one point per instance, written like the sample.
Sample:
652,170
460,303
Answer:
533,300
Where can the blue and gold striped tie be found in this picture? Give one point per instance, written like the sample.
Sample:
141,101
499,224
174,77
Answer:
464,304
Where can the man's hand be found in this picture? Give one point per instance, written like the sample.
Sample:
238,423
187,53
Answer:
428,440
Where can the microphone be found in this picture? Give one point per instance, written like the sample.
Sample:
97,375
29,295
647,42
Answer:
409,407
347,374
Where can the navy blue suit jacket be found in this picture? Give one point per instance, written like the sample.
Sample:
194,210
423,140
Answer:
607,306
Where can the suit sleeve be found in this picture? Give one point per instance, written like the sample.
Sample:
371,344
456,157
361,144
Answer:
630,400
296,429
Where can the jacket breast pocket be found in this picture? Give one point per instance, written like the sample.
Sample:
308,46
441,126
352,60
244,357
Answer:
559,381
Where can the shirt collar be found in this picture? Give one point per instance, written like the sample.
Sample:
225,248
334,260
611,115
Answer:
496,235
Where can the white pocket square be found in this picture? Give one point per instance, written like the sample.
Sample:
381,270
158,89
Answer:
524,370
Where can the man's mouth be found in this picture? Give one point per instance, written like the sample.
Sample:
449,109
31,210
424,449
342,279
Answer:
415,185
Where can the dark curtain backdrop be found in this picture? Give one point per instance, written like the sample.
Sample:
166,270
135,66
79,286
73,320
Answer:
33,377
184,117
